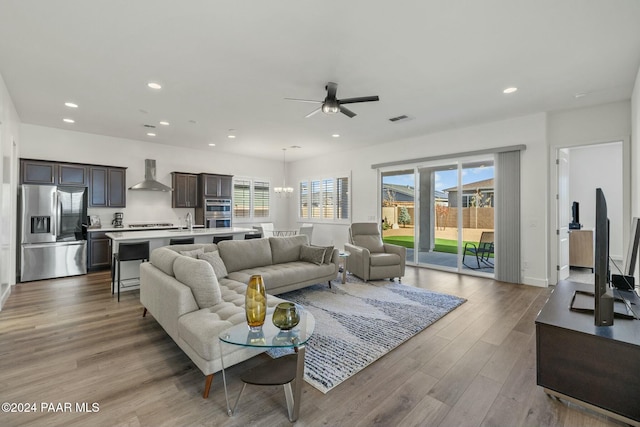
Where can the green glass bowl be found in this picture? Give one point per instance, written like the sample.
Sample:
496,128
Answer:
286,316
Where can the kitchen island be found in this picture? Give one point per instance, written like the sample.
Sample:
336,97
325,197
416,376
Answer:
159,238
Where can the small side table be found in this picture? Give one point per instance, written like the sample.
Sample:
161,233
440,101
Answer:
343,256
281,371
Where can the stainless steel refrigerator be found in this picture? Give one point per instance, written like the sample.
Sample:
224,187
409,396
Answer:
53,231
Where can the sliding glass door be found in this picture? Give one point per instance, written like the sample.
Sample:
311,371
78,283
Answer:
443,213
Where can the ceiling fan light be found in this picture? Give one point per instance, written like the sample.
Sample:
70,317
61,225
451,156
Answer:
329,109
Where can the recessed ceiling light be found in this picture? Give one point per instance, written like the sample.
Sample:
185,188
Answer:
510,90
163,123
336,135
580,95
151,134
211,144
154,85
71,105
68,120
231,136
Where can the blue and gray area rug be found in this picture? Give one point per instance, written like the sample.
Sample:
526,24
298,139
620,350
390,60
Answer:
357,323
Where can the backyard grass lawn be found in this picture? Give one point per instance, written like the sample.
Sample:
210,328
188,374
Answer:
442,245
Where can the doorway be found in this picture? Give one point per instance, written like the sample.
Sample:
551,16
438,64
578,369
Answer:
580,170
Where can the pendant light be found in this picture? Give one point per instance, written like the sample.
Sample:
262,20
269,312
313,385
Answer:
284,191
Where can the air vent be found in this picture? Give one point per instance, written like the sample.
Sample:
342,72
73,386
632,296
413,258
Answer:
399,118
150,126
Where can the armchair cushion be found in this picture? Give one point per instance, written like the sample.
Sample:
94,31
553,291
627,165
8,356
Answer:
380,259
373,243
367,235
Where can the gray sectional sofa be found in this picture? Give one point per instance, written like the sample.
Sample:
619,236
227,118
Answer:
197,291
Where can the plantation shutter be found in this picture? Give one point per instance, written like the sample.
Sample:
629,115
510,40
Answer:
342,202
260,199
241,198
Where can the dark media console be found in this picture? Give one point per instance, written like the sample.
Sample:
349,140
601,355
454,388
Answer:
596,366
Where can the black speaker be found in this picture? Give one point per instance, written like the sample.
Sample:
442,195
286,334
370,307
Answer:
625,283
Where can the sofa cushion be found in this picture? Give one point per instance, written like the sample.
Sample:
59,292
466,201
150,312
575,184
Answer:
200,329
216,262
312,254
278,275
373,242
287,249
199,276
380,259
328,253
207,247
243,254
192,253
163,259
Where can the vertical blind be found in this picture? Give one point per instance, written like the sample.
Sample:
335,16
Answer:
507,209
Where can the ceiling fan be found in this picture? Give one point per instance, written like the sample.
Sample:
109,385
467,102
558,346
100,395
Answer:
332,105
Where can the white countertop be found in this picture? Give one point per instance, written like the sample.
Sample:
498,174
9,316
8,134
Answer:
124,234
109,229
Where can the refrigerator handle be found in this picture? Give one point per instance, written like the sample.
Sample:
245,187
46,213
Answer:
56,215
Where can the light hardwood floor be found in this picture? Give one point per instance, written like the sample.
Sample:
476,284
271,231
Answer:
69,340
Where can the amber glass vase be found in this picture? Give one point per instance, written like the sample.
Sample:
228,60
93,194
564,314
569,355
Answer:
255,302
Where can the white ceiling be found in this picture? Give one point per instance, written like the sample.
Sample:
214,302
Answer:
230,64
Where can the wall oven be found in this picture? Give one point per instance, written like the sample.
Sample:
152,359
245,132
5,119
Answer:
217,213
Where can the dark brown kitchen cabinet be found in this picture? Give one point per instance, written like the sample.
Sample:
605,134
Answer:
185,190
75,175
217,185
98,251
108,187
38,172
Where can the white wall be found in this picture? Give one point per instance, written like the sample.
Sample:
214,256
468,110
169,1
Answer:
40,142
528,130
599,166
9,137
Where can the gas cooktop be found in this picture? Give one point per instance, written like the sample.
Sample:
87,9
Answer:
153,225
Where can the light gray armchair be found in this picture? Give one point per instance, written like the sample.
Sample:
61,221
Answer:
371,258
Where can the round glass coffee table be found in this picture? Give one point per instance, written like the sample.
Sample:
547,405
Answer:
281,371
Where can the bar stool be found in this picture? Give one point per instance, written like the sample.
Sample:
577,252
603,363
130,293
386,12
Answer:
138,251
184,241
217,239
252,236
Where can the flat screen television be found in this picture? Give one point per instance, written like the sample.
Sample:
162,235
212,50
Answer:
632,250
575,217
603,295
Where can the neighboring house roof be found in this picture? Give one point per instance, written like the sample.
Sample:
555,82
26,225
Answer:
485,184
406,193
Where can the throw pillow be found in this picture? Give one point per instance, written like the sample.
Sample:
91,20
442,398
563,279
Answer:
199,276
193,254
312,254
327,254
216,262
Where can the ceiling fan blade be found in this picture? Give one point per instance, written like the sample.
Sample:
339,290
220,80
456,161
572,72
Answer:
317,110
304,100
360,99
347,112
332,88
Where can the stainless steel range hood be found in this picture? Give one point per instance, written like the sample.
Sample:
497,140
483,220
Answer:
150,183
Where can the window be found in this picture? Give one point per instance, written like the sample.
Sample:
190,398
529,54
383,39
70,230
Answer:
325,199
251,198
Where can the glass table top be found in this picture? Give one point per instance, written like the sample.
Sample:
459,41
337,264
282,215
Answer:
270,336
